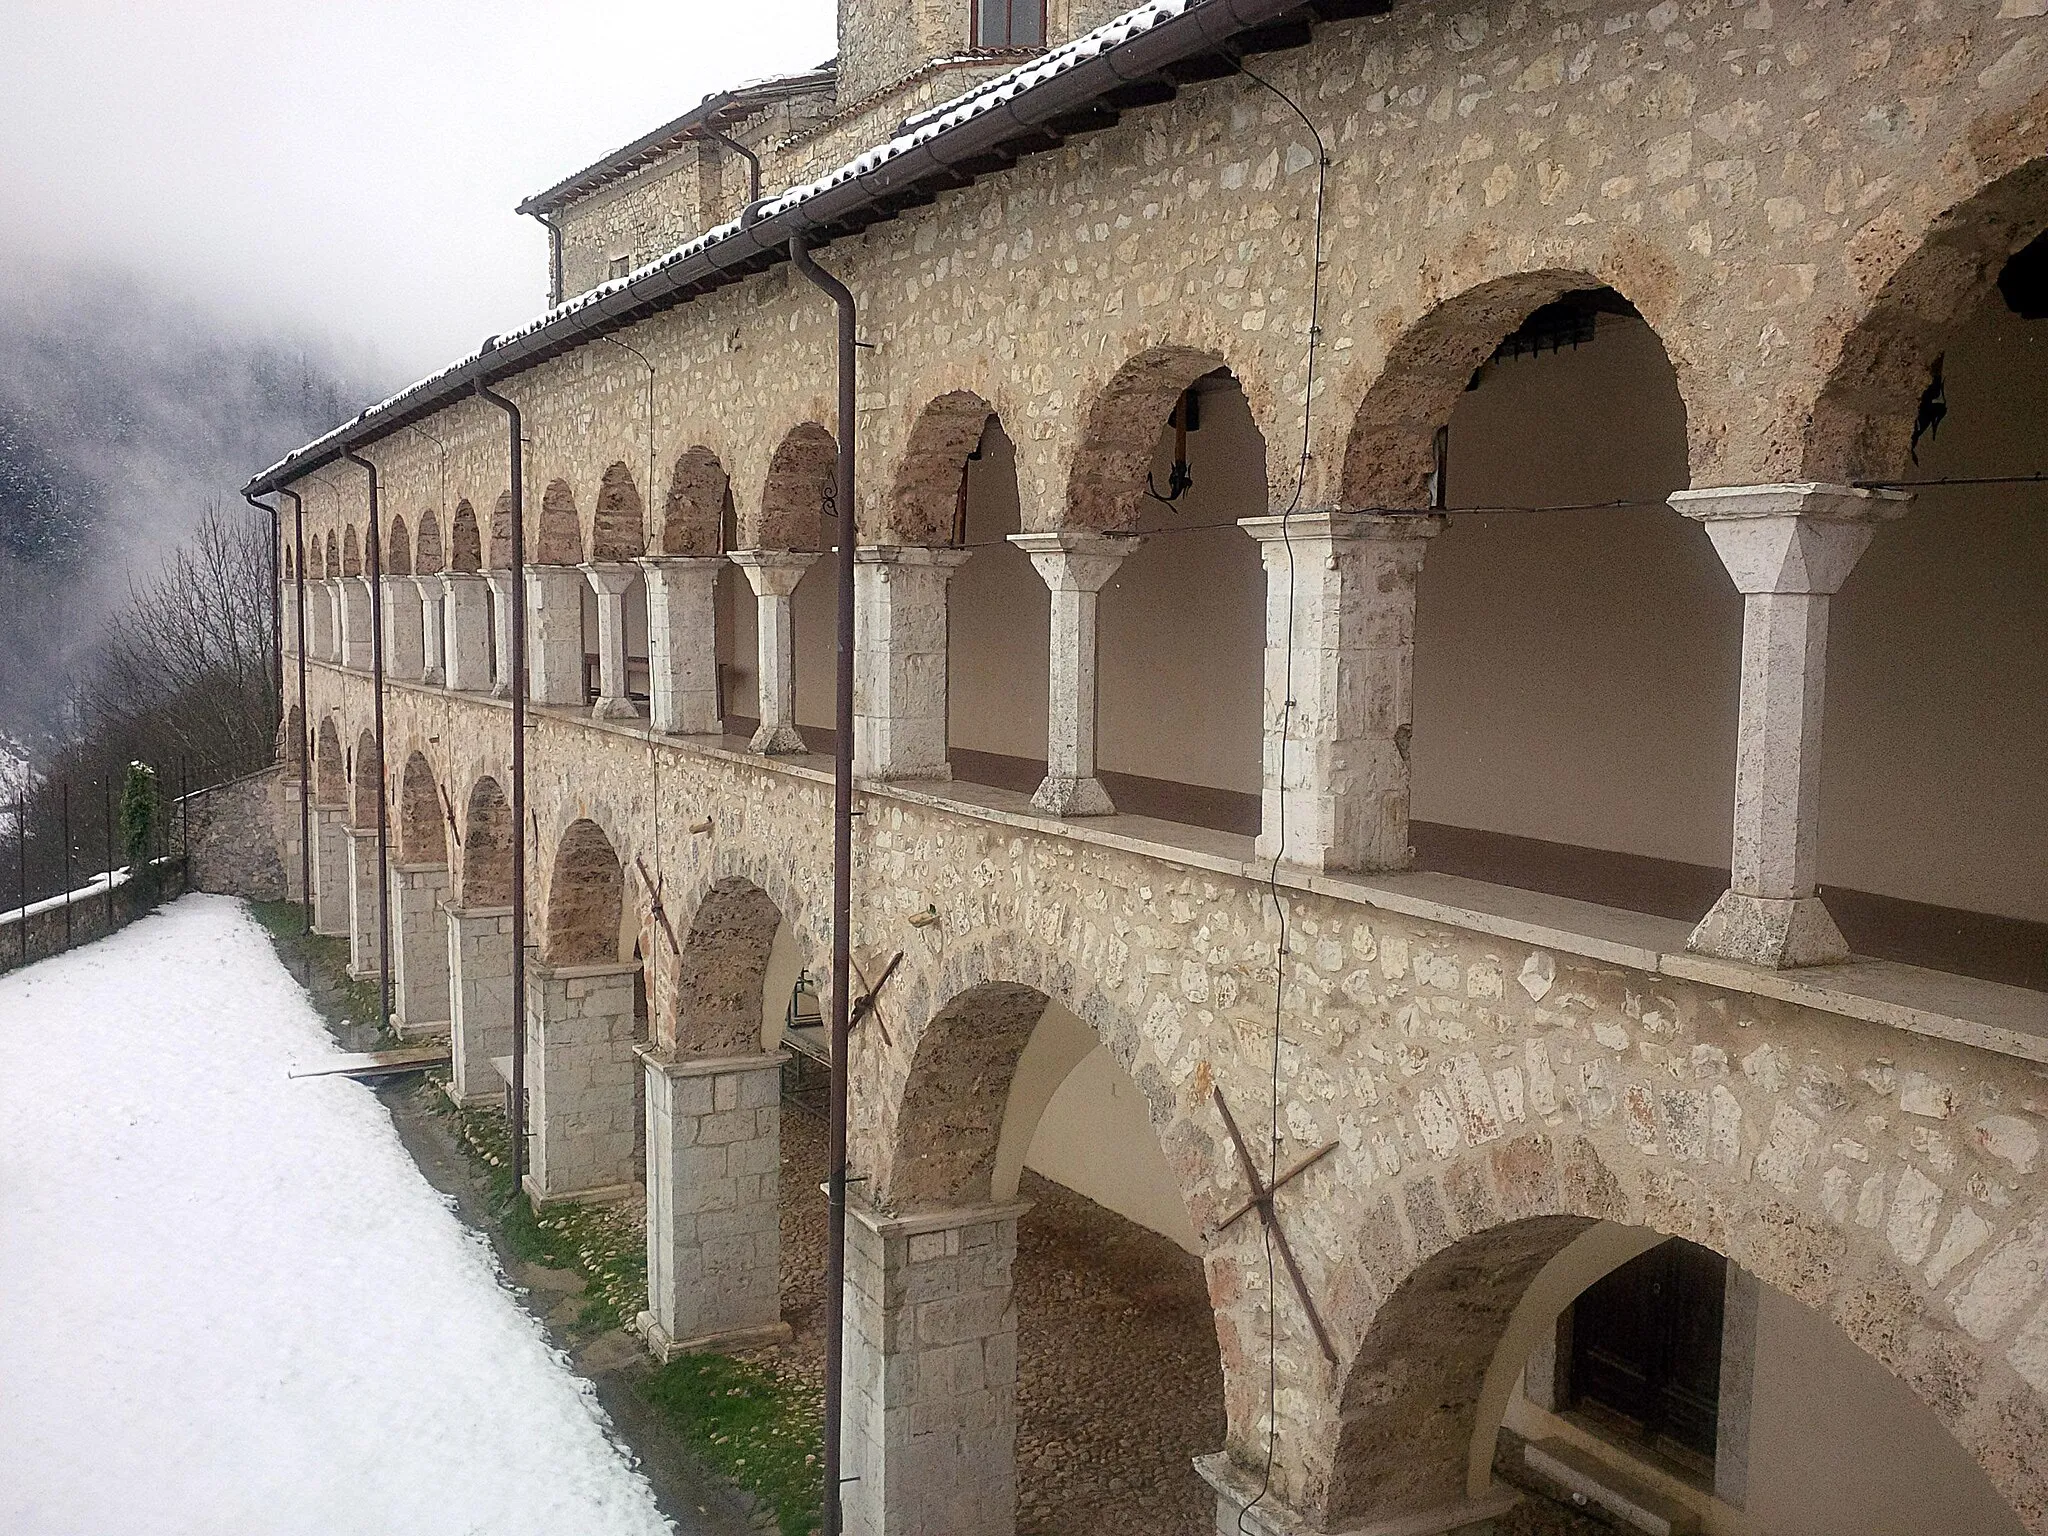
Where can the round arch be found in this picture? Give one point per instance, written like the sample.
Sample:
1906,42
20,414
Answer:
618,523
330,774
351,553
421,836
797,495
558,538
585,900
368,787
699,499
465,544
397,550
486,846
332,565
927,491
722,973
501,533
428,558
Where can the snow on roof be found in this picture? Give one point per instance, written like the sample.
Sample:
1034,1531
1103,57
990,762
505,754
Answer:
984,96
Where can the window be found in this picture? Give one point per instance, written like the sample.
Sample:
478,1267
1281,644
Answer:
1009,23
621,265
1646,1349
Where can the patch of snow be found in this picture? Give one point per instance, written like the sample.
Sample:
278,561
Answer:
229,1303
96,886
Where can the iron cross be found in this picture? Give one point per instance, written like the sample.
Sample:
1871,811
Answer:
1262,1202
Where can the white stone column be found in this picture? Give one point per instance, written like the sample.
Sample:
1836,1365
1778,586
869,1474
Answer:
285,806
931,1374
355,623
419,951
1340,661
288,616
465,633
610,581
1075,565
364,961
1788,548
554,636
682,642
433,638
479,1000
580,1076
773,574
405,650
714,1242
332,878
899,647
330,619
500,583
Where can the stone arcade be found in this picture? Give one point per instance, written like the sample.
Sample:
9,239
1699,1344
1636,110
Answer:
1487,645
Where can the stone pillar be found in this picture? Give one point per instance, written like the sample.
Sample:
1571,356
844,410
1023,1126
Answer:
419,951
465,633
405,651
682,642
434,641
332,878
931,1374
580,1074
1788,548
287,811
288,616
355,623
1075,564
330,619
899,646
363,957
500,583
554,636
714,1245
773,574
610,581
479,1000
1340,607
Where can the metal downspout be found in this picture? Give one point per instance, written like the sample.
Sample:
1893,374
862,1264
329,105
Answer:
517,626
753,161
376,558
842,895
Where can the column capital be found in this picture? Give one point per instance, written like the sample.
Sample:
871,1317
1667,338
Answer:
662,565
672,1063
1335,523
942,558
611,577
774,572
1076,559
1798,537
919,1223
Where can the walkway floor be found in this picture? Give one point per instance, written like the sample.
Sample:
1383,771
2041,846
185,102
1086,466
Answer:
228,1301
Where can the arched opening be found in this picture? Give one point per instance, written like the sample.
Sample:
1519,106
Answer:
699,522
351,553
487,847
333,562
421,839
1119,1372
427,556
729,997
330,775
585,899
797,514
291,738
398,548
615,598
1603,1364
465,545
368,786
1173,455
1933,831
558,536
560,621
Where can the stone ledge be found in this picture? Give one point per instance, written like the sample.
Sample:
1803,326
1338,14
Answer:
727,1341
935,1221
708,1066
1237,1494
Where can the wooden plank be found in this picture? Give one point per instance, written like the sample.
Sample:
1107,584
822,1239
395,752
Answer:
411,1058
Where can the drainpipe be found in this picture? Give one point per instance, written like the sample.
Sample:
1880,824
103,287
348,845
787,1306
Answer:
305,720
842,892
375,553
753,163
518,672
554,260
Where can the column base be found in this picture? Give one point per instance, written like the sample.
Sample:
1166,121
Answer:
602,1194
432,1029
1328,861
1065,795
433,678
778,741
615,709
365,975
1235,1490
473,1100
501,690
1780,932
665,1349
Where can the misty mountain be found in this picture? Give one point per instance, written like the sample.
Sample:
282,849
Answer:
124,412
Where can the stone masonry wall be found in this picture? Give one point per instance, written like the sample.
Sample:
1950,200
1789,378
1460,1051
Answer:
237,833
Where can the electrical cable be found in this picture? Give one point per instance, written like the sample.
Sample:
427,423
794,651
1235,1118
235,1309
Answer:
1280,817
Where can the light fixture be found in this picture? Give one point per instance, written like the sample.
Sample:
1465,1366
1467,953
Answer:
804,1012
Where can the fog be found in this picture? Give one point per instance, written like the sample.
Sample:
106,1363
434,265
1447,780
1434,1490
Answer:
348,170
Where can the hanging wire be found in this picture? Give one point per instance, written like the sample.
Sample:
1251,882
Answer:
1280,830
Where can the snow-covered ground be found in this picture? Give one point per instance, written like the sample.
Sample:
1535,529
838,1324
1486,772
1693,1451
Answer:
228,1301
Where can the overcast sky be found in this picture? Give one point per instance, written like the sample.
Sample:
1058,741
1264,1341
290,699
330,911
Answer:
349,168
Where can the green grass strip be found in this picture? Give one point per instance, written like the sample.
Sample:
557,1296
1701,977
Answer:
755,1425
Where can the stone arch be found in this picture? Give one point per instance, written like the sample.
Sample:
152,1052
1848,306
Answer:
465,545
330,775
332,565
1861,425
487,846
317,561
291,732
1449,1254
798,497
1106,481
397,554
618,524
585,899
290,569
722,969
699,496
351,553
1389,454
369,782
501,533
422,838
927,485
428,559
558,538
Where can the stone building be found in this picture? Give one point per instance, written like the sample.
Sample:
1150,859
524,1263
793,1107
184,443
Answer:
1460,580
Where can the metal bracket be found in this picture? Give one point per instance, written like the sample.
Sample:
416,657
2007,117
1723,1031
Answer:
1262,1202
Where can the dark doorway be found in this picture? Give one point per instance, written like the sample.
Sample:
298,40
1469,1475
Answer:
1646,1347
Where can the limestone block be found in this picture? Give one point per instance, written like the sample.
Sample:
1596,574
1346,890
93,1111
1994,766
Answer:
554,635
332,876
419,951
365,958
682,642
405,655
479,999
465,632
581,1080
899,628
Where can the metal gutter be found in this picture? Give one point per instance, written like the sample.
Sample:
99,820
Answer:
1082,87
